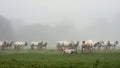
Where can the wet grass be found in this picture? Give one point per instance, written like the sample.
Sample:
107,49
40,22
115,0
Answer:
55,59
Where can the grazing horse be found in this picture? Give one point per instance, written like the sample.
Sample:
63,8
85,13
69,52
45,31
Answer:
18,45
98,45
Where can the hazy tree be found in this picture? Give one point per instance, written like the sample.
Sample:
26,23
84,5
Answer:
6,31
65,30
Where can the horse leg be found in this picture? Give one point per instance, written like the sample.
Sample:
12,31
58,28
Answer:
45,47
15,47
114,47
82,49
3,47
92,50
31,47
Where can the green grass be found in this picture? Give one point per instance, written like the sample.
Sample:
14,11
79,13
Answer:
55,59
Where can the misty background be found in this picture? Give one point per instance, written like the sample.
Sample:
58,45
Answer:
55,20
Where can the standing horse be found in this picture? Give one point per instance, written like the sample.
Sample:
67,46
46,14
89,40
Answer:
44,45
2,45
87,46
36,44
19,44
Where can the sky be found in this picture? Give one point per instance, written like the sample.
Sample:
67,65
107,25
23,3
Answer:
82,13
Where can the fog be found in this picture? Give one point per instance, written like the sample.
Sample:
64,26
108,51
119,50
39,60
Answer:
55,20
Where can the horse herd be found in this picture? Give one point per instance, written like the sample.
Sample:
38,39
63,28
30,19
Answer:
66,46
17,45
88,46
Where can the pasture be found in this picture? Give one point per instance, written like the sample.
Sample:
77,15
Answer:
55,59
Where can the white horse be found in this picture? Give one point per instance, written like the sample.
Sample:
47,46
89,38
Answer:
104,44
112,44
2,45
9,44
67,45
63,44
44,44
19,44
36,44
69,51
98,45
87,46
75,45
59,45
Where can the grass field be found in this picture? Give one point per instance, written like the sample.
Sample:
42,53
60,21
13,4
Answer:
55,59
